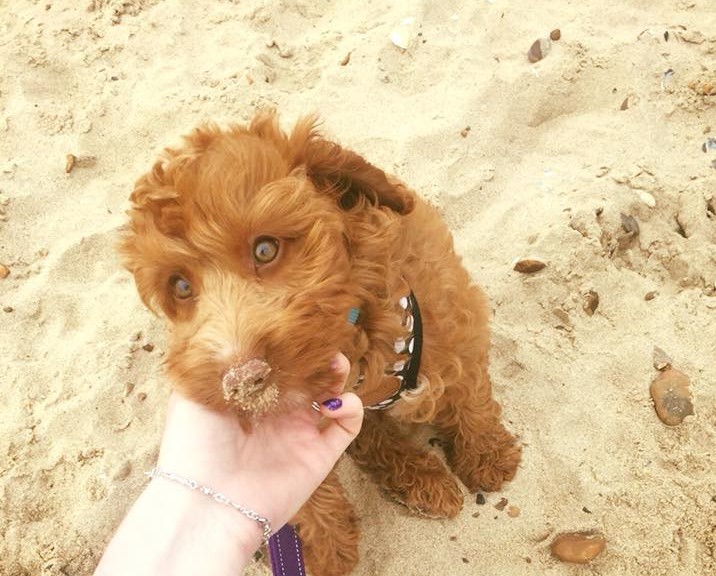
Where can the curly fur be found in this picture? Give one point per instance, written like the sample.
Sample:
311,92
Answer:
350,236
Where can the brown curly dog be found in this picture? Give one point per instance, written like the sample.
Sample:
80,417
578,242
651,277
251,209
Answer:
268,253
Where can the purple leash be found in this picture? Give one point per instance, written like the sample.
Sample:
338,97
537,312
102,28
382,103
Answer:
285,553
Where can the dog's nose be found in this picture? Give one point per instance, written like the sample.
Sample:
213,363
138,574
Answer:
247,386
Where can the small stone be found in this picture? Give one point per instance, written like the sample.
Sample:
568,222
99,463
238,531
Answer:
8,309
650,295
475,514
128,387
465,560
4,271
563,316
555,35
501,504
586,510
528,265
630,225
346,59
148,347
123,471
70,160
539,49
625,104
672,397
480,499
453,538
513,511
578,547
141,396
590,302
661,359
465,131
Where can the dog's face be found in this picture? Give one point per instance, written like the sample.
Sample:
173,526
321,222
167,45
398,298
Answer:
242,238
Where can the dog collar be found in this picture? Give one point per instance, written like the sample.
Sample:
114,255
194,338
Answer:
410,348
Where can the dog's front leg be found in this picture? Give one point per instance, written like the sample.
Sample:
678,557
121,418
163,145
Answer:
409,474
481,452
328,527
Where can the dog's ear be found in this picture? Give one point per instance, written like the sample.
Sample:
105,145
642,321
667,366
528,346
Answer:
347,175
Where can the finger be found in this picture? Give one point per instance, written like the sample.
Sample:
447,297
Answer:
346,413
341,367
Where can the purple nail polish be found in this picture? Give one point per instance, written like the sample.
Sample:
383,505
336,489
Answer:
333,403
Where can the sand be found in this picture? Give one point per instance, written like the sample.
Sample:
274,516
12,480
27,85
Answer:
596,127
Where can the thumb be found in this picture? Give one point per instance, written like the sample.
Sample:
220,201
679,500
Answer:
346,413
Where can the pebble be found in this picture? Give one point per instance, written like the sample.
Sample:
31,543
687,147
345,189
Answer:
630,225
4,271
662,361
346,59
555,35
70,162
480,499
672,397
513,511
539,49
8,309
142,396
465,131
148,347
590,302
625,104
128,387
704,87
650,295
123,471
501,504
578,547
529,265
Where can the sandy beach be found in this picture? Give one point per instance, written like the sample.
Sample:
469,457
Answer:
599,160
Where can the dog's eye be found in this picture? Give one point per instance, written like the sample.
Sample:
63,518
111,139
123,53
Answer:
180,286
265,249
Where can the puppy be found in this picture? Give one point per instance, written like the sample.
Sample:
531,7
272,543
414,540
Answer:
268,253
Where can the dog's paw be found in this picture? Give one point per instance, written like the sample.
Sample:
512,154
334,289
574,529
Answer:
428,488
486,465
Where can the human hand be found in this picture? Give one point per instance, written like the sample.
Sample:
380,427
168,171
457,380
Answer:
274,468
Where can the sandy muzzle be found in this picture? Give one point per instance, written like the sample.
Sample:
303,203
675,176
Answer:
248,388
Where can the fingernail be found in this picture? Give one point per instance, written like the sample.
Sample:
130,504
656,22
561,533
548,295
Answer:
333,403
335,365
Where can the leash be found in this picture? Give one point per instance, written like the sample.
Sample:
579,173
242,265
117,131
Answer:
285,553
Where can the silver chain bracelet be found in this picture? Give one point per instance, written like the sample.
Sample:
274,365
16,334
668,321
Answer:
157,472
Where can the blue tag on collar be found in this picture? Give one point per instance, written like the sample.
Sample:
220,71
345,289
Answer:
353,315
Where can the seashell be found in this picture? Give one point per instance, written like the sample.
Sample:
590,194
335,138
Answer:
578,547
647,198
539,49
404,32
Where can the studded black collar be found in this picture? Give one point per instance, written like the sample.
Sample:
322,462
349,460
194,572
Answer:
406,369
